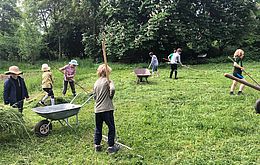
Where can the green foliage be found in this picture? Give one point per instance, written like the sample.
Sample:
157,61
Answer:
30,41
192,120
8,26
11,122
70,28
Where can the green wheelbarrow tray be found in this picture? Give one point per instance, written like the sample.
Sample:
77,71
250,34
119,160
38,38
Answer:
59,112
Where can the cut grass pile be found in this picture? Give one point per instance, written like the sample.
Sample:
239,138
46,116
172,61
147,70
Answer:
192,120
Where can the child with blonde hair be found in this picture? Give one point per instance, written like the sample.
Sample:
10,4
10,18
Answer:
104,91
237,72
47,84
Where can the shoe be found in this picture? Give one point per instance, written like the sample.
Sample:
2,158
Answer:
74,94
231,93
98,148
113,149
240,93
42,103
175,78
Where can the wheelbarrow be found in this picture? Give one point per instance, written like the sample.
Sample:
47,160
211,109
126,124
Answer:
256,87
142,73
59,112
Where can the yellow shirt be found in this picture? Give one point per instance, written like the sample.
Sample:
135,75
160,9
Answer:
47,81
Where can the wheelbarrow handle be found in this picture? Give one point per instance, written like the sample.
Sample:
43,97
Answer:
90,97
74,98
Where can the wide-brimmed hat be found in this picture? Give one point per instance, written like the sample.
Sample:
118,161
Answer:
14,70
45,67
73,62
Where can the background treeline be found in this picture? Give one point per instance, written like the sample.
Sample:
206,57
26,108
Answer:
54,29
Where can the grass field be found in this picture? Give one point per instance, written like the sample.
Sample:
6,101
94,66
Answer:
192,120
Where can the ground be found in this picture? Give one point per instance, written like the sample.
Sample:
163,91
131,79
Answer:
192,120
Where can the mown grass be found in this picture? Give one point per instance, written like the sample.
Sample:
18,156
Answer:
192,120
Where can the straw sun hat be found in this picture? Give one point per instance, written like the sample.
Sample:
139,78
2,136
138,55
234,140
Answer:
13,70
45,67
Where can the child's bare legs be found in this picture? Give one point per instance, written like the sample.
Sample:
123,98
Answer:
233,86
241,87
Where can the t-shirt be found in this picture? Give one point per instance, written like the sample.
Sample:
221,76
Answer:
240,63
103,95
47,81
69,72
154,61
175,58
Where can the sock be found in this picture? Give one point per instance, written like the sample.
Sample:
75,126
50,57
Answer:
44,98
52,101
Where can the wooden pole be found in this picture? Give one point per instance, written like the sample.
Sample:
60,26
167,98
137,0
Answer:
246,73
105,55
242,81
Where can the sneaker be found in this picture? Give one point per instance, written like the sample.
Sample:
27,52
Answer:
98,148
240,93
42,103
231,93
113,149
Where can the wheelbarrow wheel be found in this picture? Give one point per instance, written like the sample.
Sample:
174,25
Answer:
257,106
43,128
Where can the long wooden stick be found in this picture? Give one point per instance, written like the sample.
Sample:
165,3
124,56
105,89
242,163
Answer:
122,145
105,55
246,73
242,81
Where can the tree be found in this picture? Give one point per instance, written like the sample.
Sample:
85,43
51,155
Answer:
8,27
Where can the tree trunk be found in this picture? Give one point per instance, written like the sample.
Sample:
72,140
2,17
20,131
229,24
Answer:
60,54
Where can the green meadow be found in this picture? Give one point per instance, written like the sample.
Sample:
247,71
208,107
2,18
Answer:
192,120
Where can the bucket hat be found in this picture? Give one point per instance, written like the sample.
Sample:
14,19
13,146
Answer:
14,70
45,67
73,62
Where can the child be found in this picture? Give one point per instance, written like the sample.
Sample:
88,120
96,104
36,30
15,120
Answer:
154,63
69,74
104,91
238,68
47,84
174,59
15,90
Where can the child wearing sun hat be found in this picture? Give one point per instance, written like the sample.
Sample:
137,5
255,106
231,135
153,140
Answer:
15,90
69,74
47,84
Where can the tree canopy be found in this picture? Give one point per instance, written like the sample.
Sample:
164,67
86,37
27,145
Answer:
75,28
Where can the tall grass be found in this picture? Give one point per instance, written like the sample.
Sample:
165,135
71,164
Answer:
192,120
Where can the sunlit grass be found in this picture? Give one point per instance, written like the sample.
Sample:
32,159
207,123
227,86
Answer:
192,120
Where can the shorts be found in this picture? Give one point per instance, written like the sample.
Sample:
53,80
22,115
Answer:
49,91
237,75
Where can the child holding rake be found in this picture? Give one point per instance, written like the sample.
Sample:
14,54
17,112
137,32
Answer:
69,74
237,72
104,91
15,90
47,84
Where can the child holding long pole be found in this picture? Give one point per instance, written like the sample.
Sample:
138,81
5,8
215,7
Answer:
237,72
104,91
